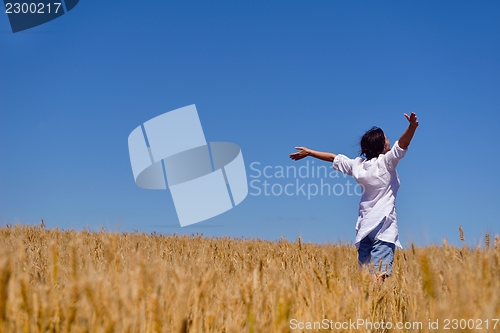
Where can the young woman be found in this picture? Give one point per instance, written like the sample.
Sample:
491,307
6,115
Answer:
376,229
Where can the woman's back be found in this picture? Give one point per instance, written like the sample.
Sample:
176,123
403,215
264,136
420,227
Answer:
380,183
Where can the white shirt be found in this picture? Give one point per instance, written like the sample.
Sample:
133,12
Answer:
380,183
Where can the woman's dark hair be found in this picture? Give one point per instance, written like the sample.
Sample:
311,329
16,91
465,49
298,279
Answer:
372,143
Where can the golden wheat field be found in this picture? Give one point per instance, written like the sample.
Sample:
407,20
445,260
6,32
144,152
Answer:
84,281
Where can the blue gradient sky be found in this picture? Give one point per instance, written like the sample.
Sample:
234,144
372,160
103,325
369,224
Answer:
268,76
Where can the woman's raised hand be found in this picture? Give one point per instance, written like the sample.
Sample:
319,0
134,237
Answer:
405,139
412,119
303,152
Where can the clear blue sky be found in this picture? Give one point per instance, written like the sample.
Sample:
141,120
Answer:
268,76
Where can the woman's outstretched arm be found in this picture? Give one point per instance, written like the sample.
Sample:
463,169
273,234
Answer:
304,152
405,139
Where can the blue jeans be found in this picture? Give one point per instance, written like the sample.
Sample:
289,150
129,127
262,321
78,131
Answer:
371,250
